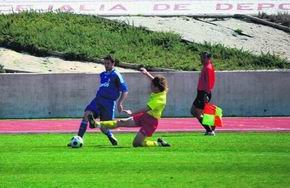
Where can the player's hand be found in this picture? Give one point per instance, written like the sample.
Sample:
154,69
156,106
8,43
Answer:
128,112
143,70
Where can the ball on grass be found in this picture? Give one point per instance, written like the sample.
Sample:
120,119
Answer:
77,142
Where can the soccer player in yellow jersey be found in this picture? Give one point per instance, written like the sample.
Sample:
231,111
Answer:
147,117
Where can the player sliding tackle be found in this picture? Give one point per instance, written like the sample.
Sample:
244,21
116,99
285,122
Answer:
147,117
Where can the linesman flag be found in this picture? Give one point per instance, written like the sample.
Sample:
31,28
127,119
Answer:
212,115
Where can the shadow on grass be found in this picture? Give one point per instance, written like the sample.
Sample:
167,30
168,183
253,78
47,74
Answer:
107,146
86,146
181,135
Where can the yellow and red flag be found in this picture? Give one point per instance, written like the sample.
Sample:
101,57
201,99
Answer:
212,115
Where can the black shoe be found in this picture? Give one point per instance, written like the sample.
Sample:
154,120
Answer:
113,140
91,121
162,143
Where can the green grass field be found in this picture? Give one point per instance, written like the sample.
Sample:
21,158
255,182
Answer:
227,160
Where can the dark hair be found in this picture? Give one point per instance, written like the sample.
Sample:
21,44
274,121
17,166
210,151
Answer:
160,82
110,58
205,54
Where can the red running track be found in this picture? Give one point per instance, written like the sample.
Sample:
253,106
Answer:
166,125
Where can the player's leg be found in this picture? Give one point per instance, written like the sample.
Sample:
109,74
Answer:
208,97
142,140
148,127
107,125
107,112
197,110
112,124
127,122
84,123
139,141
89,110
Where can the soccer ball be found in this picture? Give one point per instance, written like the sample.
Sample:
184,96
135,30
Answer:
76,142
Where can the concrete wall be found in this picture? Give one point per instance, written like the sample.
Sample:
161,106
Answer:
263,93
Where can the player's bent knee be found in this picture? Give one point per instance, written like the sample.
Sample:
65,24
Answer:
138,142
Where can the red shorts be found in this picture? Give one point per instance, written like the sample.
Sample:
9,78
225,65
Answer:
147,123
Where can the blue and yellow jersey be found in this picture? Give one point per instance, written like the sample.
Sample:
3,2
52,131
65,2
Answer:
112,83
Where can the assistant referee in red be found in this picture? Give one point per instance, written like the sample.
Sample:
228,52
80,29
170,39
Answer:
205,86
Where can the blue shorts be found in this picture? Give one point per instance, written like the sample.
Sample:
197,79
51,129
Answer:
103,108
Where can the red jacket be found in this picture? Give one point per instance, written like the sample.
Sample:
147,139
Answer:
207,78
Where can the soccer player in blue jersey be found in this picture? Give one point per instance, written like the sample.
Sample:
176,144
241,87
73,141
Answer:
113,89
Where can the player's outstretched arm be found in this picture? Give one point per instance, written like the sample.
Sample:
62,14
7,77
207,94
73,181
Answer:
146,73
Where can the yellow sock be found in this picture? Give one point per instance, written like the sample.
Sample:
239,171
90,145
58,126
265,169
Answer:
149,143
109,124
